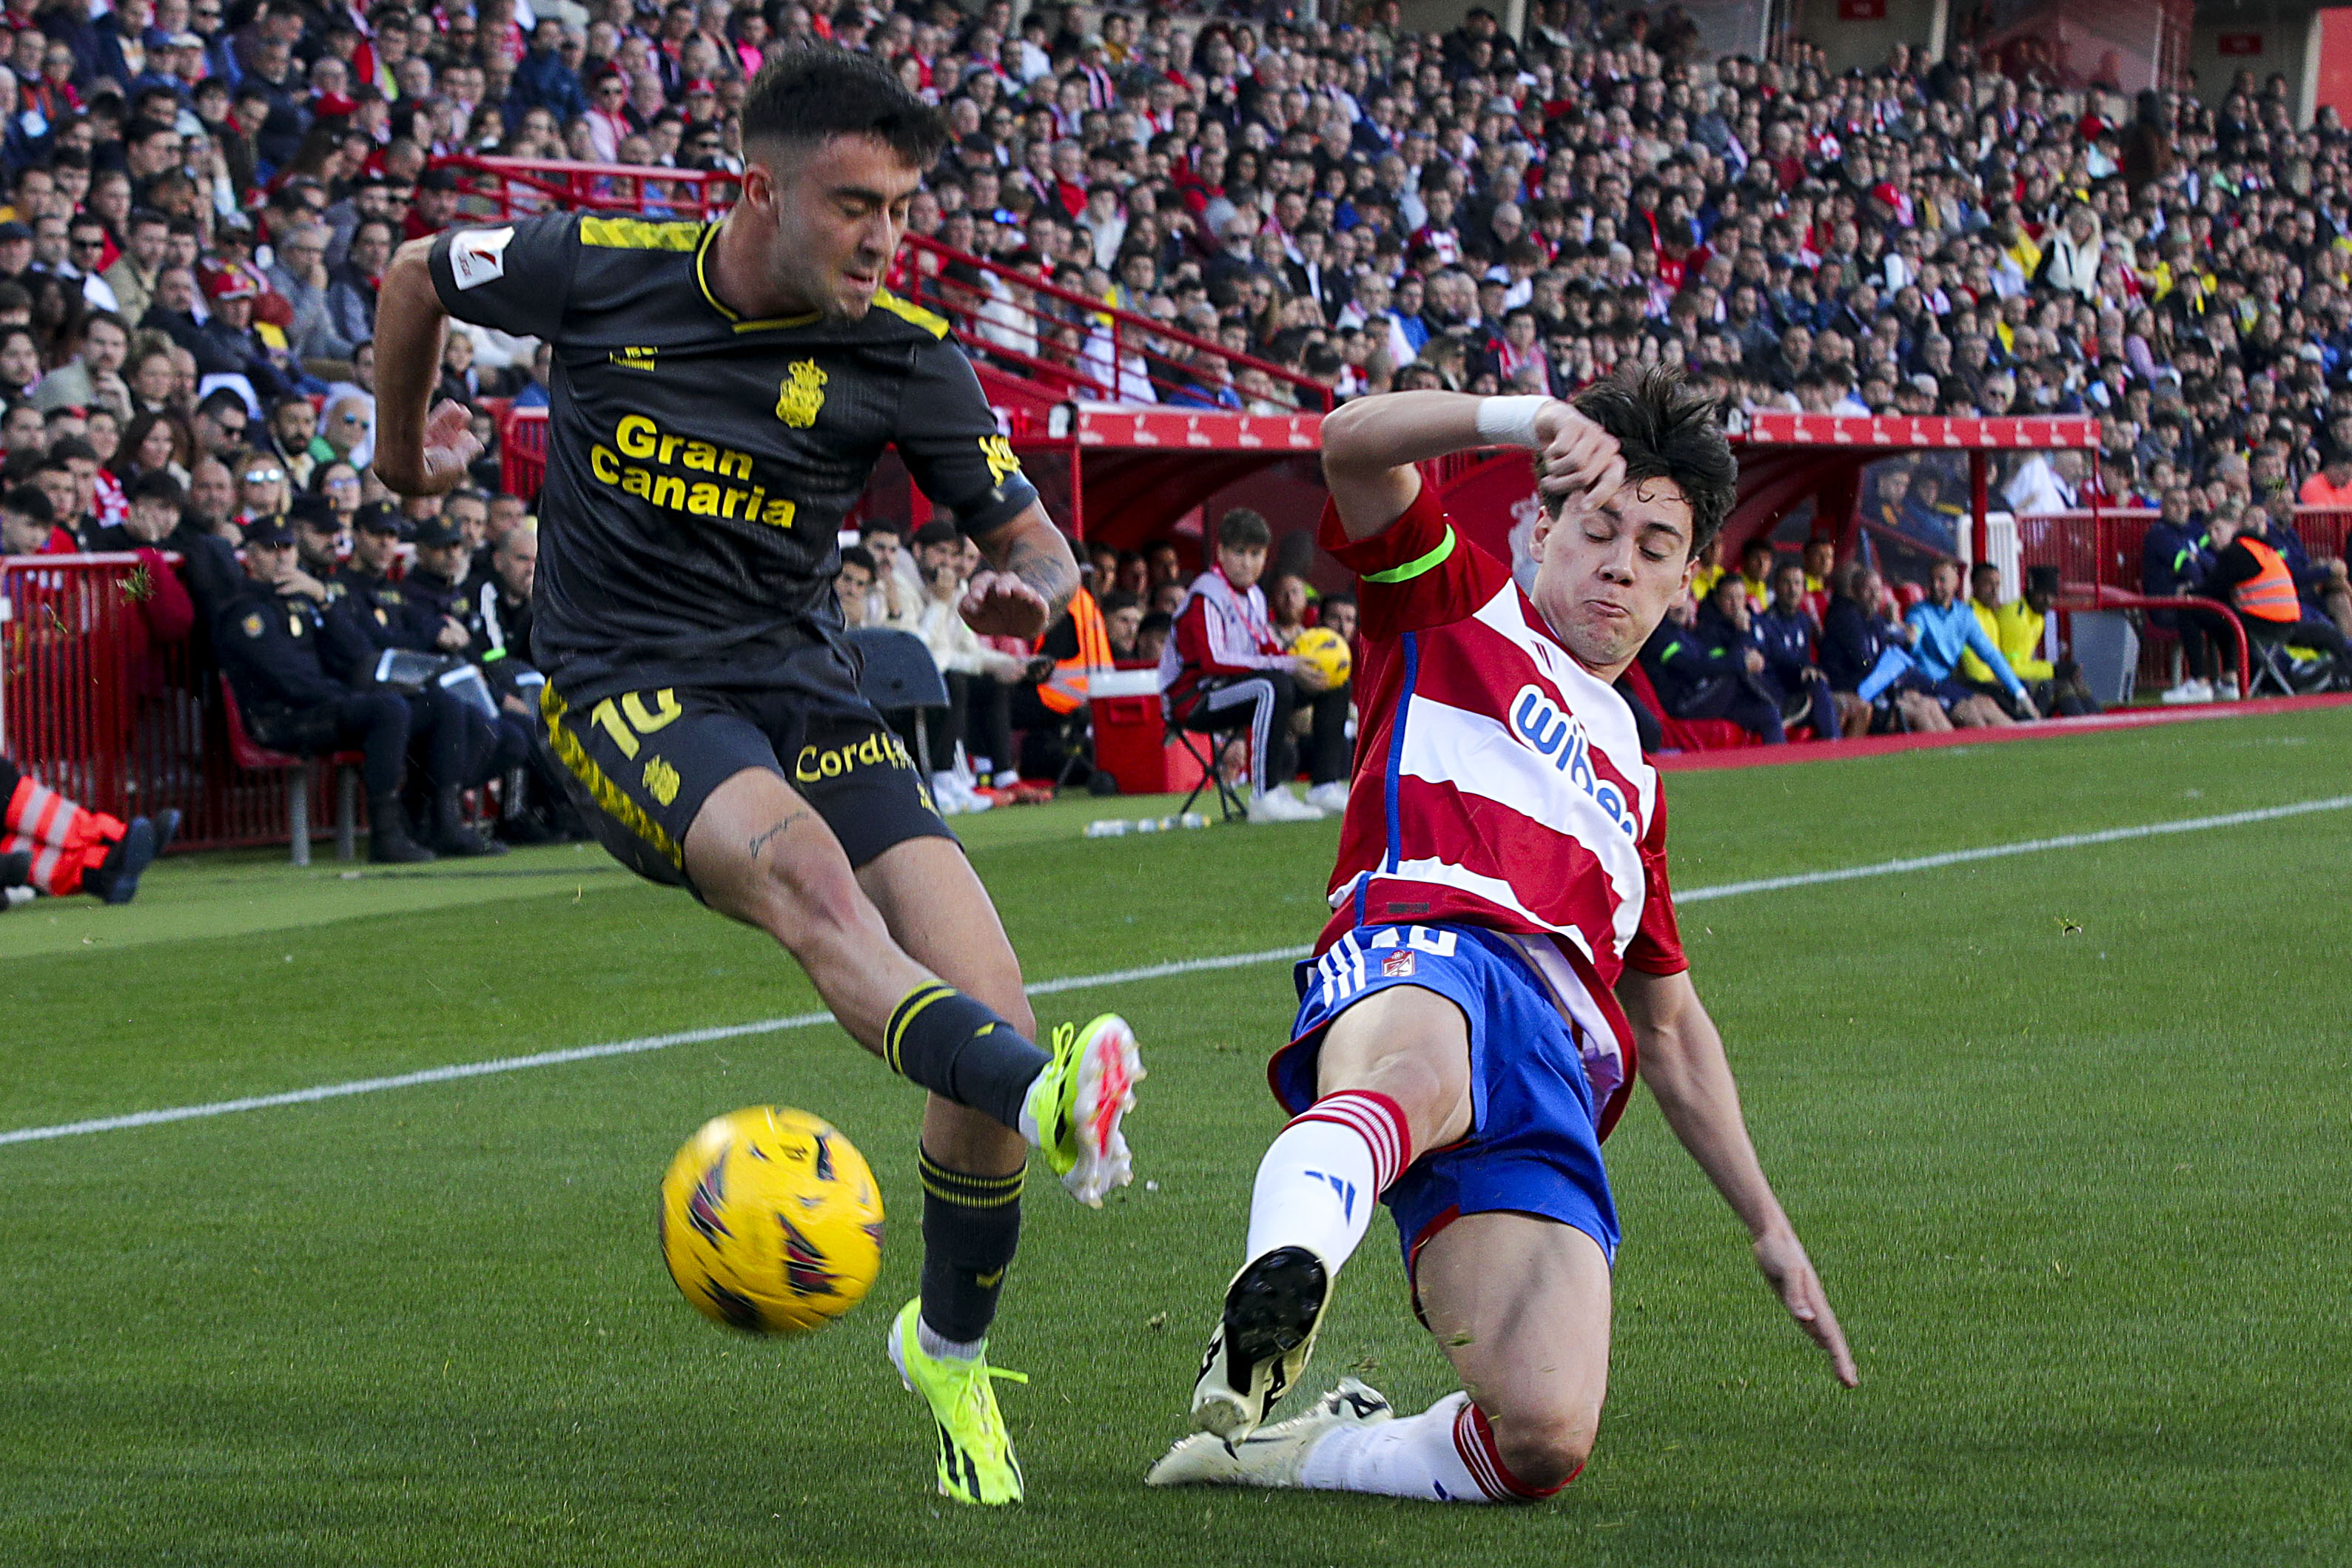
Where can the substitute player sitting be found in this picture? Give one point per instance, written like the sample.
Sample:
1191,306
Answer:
1503,948
720,393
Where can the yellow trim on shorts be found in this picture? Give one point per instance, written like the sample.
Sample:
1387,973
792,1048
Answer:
609,796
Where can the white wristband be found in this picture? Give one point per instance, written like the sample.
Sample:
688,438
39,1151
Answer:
1509,421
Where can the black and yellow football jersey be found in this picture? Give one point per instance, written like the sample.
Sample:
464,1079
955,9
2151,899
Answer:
700,464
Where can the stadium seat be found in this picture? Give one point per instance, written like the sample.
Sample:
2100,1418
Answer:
248,753
898,676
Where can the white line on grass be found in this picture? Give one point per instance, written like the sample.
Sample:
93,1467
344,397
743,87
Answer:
1124,976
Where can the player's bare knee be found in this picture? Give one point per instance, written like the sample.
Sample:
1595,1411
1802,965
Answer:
814,908
1543,1449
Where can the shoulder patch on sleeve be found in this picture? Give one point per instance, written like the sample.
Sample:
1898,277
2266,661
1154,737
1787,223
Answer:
928,320
479,256
252,624
636,233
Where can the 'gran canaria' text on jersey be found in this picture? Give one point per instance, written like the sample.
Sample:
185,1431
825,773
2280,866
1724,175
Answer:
700,464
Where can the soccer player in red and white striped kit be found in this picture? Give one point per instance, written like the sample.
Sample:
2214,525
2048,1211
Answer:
1502,953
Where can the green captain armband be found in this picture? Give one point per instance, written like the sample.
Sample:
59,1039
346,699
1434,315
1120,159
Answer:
1420,564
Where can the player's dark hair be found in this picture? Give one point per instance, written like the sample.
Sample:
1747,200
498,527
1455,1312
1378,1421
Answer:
859,556
1241,528
1665,430
805,97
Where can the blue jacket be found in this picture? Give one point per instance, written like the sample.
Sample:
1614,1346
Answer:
543,81
1943,634
2172,559
1787,644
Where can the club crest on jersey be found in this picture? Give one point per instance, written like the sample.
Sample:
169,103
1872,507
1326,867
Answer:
802,394
1541,726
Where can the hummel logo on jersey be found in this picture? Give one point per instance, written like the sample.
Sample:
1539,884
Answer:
1343,1186
1539,725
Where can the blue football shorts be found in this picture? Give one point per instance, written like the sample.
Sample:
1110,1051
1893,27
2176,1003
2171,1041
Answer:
1533,1147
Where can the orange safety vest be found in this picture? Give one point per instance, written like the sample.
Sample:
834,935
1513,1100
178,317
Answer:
2269,595
1066,689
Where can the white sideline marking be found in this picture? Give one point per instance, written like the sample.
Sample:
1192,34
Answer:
2022,847
1124,976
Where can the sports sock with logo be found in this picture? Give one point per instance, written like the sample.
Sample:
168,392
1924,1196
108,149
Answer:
962,1051
1320,1178
971,1226
1445,1453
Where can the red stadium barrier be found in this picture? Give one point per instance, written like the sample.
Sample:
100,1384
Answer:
523,187
1076,346
522,451
124,736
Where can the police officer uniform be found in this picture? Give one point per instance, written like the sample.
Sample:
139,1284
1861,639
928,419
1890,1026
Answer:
269,644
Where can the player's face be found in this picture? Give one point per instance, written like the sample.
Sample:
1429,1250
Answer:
1605,575
832,217
1242,564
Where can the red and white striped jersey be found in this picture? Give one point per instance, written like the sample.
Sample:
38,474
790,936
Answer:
1497,782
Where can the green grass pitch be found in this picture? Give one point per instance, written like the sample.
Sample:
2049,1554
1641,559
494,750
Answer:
2065,1132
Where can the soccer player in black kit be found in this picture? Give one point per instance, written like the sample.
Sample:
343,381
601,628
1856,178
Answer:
719,394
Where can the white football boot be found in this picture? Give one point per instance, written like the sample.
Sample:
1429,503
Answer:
1274,1456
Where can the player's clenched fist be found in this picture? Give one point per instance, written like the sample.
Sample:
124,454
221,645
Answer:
1574,454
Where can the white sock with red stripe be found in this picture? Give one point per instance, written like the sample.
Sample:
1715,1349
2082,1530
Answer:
1319,1179
1445,1453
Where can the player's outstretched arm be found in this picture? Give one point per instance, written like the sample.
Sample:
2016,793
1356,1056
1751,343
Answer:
1370,444
1682,1058
1030,578
419,450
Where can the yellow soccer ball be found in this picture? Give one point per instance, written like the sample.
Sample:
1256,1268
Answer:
771,1221
1327,650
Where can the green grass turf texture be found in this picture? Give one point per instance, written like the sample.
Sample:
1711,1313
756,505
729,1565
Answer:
2065,1134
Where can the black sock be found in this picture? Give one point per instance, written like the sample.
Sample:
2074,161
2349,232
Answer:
971,1225
959,1050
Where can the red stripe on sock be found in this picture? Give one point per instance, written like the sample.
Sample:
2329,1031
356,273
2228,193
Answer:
1378,1120
1474,1439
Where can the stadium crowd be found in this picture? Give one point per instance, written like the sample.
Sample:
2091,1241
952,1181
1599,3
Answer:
201,195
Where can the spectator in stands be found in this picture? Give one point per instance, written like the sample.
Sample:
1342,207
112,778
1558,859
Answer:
1941,628
1122,616
896,601
1865,653
28,524
2250,574
1783,633
980,681
1711,668
1223,671
853,586
269,643
1152,636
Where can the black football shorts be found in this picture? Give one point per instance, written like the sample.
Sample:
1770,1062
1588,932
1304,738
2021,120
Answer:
640,765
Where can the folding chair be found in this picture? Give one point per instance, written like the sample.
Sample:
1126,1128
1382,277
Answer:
1228,802
898,676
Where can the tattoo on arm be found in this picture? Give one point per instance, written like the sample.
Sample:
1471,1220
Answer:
1045,563
759,839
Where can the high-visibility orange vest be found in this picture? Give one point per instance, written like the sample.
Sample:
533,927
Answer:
1066,689
2269,595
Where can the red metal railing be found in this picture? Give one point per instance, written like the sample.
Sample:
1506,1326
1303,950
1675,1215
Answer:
82,713
520,187
1077,346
